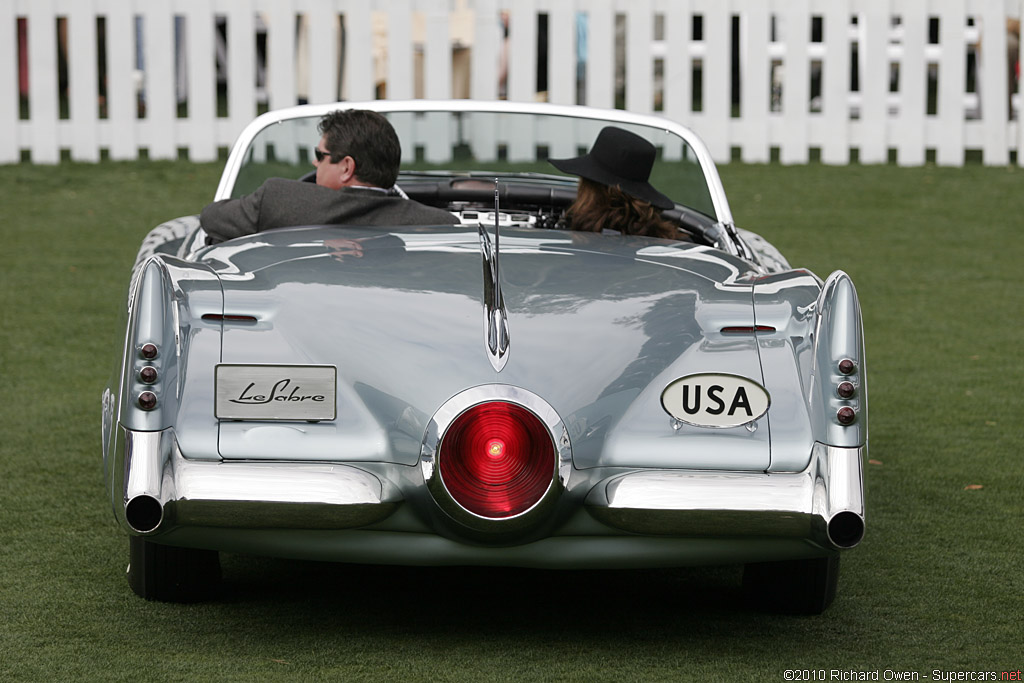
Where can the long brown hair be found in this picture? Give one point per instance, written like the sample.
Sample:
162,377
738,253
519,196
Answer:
600,207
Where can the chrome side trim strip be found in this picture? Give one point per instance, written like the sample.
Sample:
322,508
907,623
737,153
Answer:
162,489
824,503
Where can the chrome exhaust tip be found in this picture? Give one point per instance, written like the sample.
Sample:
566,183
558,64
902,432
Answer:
144,514
845,530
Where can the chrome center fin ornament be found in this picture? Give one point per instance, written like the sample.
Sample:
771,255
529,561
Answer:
496,339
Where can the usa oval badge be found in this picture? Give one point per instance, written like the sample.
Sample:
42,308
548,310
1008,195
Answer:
714,399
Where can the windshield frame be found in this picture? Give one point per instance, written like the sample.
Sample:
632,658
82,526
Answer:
236,159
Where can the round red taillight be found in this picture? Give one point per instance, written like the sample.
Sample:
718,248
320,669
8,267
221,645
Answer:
846,390
846,416
147,400
497,459
149,351
847,366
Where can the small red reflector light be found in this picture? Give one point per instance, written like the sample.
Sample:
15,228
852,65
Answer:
847,366
148,374
846,390
497,460
149,351
846,416
147,400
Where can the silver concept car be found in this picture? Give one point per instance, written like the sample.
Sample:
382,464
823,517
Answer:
502,391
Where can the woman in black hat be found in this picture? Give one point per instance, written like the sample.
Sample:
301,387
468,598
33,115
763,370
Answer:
614,192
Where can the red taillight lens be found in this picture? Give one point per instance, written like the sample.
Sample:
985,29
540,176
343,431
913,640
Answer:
497,460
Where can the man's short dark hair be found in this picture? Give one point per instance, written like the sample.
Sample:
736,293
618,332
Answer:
369,139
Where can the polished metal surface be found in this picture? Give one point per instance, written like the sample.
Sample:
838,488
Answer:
402,324
797,505
155,474
496,335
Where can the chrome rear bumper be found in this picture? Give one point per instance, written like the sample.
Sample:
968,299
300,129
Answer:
157,489
824,503
163,489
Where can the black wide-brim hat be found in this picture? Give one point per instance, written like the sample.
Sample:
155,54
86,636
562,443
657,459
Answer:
618,159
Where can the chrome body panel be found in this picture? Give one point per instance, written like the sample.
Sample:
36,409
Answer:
679,503
197,493
584,330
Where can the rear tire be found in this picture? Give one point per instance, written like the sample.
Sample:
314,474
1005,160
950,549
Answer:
170,574
794,586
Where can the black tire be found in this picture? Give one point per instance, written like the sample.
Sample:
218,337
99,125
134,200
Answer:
170,574
794,586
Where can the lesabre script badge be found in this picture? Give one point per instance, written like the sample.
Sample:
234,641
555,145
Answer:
275,392
715,400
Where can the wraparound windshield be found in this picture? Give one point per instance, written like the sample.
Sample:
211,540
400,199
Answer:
500,142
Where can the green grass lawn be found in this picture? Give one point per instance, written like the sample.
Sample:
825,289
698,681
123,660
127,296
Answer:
936,585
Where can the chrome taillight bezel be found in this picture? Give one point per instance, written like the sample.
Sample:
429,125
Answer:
442,422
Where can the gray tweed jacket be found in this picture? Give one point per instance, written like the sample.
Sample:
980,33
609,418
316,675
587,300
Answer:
281,203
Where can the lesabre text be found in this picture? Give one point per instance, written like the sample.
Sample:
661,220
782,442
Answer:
277,393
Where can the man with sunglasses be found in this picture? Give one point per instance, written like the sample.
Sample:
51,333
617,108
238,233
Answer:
356,162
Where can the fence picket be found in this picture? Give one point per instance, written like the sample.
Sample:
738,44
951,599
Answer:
835,87
910,133
9,84
400,71
122,97
82,82
716,75
201,87
437,58
357,81
241,66
437,77
874,82
796,26
755,84
678,85
600,88
279,16
1019,8
160,131
994,99
324,53
639,67
952,70
522,62
42,79
562,54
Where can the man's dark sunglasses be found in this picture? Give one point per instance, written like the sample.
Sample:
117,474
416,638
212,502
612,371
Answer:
320,154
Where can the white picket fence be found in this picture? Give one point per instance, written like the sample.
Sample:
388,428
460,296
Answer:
757,79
